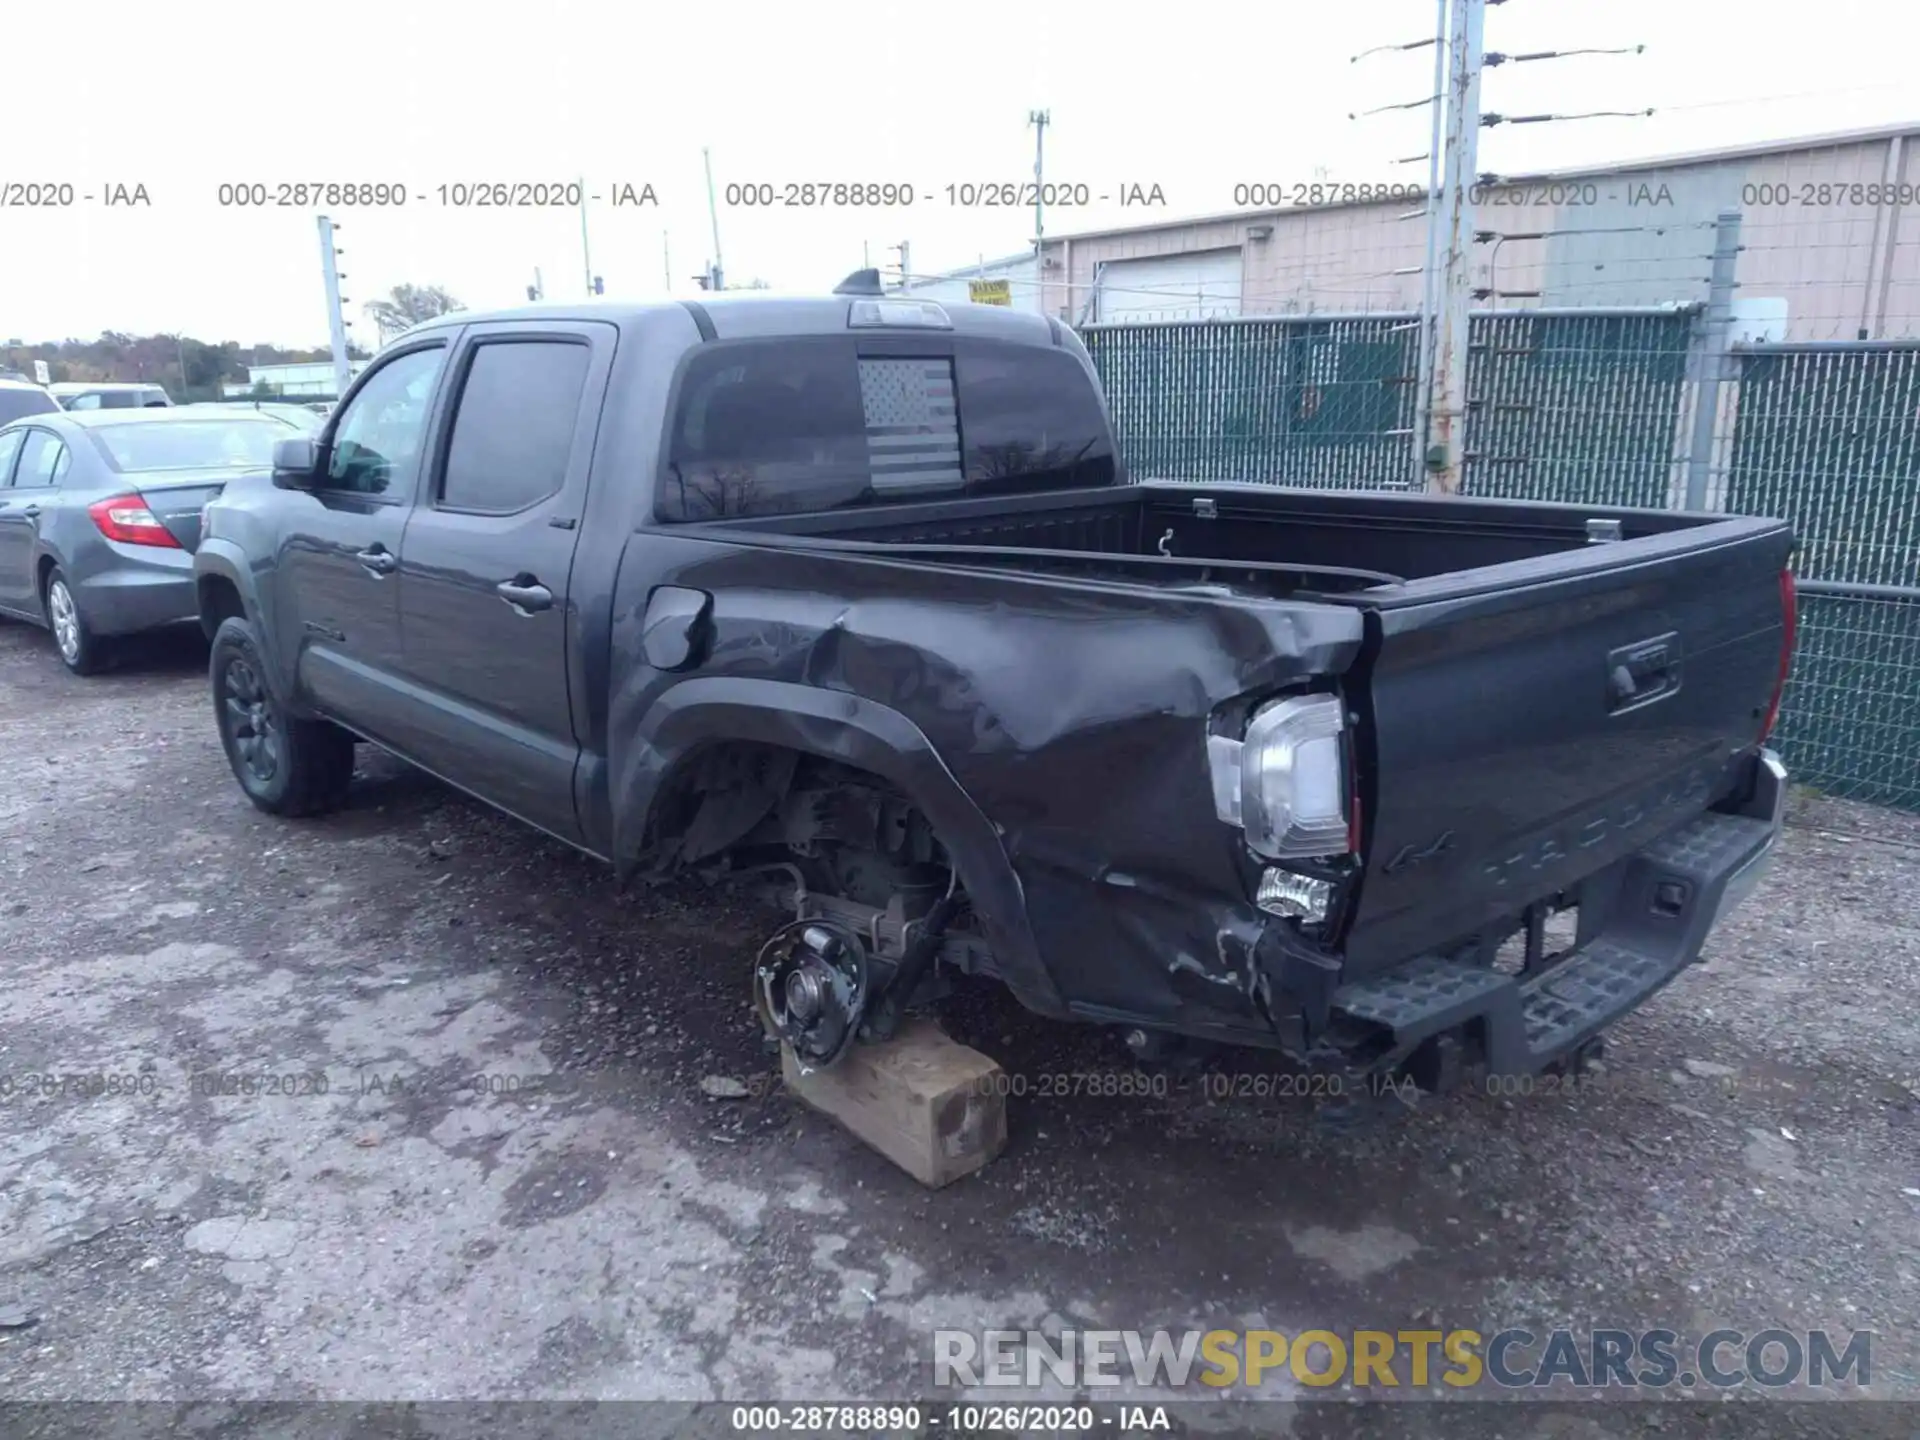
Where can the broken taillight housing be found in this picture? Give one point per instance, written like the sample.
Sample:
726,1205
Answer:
1285,783
1790,615
1298,897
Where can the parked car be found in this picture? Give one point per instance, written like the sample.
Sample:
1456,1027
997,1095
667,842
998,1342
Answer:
105,395
23,397
100,511
858,593
299,416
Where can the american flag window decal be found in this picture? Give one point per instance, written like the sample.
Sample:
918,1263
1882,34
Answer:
913,424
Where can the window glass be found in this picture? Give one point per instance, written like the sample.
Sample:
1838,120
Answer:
768,429
376,446
782,427
10,442
1032,420
192,445
43,459
912,424
89,401
16,403
514,428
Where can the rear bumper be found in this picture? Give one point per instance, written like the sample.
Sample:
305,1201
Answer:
138,591
1657,909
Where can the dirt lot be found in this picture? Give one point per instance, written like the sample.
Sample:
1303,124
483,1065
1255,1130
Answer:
591,1224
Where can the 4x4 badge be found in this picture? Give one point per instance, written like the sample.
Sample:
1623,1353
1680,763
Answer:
1409,856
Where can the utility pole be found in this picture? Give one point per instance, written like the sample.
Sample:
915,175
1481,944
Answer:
181,345
1711,356
336,320
1447,426
1039,119
1429,269
905,251
666,261
586,255
713,218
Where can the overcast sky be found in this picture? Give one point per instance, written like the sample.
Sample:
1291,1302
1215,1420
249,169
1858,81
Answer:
1193,98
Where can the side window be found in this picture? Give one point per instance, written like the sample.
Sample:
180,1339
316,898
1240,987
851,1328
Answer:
84,402
43,459
514,426
376,446
9,447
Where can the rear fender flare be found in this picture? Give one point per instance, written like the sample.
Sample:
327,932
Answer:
223,560
706,710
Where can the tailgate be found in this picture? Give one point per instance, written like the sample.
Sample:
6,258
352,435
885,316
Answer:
1528,724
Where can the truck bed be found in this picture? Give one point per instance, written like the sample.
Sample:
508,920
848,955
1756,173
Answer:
1532,706
1253,538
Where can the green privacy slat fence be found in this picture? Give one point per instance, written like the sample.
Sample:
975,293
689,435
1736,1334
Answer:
1850,724
1575,408
1828,437
1589,407
1286,401
1565,406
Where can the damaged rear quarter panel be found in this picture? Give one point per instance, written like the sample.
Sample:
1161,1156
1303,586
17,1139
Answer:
1072,713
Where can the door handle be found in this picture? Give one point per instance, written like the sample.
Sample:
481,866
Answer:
1639,674
30,511
525,594
378,560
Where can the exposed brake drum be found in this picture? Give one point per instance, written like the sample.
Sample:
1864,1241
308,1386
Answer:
810,989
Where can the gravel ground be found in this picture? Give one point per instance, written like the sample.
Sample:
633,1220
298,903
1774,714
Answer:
596,1226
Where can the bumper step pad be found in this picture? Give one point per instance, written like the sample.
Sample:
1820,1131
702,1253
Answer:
1669,898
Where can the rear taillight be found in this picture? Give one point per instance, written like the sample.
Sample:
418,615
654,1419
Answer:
127,519
1790,615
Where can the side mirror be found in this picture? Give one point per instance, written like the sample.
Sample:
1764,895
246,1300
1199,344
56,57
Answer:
294,463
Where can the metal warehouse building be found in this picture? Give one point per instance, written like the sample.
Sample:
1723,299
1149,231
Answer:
1830,245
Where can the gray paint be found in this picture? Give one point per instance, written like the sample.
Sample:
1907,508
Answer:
120,588
1034,672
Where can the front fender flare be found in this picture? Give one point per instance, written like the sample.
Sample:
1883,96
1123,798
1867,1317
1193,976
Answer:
834,725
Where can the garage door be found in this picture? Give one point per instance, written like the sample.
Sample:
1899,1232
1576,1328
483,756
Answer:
1203,286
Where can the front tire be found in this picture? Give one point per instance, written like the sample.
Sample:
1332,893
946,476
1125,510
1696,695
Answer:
80,650
286,766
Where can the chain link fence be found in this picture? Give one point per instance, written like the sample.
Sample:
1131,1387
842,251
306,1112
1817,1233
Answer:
1596,406
1827,436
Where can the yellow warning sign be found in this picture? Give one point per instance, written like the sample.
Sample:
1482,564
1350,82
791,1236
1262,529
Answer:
990,292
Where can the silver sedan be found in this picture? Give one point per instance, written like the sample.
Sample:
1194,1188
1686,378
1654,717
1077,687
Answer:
100,514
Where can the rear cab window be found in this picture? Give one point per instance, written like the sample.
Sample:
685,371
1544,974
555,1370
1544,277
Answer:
812,423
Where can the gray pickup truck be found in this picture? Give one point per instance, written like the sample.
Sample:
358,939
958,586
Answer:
855,593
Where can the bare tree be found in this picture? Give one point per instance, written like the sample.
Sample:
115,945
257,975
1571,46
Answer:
407,305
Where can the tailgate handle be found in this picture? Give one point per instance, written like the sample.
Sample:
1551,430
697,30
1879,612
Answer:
1641,673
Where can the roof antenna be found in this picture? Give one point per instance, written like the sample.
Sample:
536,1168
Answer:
860,282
